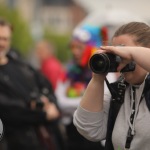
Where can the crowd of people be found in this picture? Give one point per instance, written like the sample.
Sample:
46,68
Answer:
68,107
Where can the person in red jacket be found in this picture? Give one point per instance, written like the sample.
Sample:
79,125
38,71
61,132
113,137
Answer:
51,67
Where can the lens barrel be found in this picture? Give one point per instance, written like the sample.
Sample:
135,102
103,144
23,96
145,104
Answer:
106,62
99,63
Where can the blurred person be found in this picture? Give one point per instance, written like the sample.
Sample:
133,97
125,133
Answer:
51,67
121,116
28,106
83,43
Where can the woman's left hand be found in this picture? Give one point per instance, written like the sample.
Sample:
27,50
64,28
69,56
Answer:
123,52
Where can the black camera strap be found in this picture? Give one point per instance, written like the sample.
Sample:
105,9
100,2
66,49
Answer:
117,95
117,90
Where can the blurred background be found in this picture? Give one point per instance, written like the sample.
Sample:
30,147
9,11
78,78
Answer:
58,22
55,20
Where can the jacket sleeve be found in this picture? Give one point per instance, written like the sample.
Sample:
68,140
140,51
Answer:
14,112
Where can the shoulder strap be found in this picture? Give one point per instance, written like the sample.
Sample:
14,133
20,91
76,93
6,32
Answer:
147,91
117,90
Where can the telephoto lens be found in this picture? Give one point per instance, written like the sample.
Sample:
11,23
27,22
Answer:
104,62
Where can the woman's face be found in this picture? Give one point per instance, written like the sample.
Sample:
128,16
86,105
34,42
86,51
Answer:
137,76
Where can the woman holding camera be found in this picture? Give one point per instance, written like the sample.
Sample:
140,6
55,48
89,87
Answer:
122,117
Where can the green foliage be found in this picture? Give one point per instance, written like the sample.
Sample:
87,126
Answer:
61,43
21,38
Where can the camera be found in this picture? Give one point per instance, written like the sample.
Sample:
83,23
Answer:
106,62
39,104
36,99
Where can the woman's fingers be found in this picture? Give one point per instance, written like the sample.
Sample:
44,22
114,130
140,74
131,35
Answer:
118,50
111,49
122,51
100,51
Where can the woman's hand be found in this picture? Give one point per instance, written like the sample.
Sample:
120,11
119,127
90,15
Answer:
124,52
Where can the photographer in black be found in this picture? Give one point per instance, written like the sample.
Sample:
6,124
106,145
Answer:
122,117
28,107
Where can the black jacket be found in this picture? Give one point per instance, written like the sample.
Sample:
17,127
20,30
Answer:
115,107
20,121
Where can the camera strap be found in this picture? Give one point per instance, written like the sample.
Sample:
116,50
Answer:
119,92
130,134
118,97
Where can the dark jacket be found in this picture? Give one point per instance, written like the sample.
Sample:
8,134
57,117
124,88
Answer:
115,107
21,123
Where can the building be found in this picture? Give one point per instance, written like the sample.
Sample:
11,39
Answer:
60,16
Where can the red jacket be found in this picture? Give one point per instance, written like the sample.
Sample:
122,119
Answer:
53,70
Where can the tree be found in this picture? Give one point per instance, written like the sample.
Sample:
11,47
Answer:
61,43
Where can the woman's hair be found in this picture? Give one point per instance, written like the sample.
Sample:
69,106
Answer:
139,30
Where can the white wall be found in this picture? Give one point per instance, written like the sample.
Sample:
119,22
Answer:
140,8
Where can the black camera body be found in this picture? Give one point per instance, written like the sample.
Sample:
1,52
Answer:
106,62
39,104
